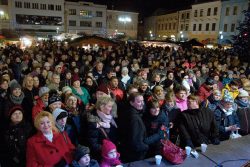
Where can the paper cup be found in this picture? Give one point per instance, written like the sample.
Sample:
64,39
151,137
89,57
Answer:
118,166
203,148
158,159
188,150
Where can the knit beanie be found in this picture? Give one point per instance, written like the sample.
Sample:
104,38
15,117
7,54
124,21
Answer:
14,85
243,93
66,89
103,88
209,81
59,113
43,90
227,98
75,78
107,146
80,152
54,98
13,109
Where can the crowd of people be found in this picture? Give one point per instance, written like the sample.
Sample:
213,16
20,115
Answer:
63,106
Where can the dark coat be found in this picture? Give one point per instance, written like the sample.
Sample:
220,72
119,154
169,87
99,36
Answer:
92,163
134,145
28,103
15,138
198,126
41,152
95,135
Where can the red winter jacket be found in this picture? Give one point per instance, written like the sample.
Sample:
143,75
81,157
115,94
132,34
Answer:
203,92
37,108
43,153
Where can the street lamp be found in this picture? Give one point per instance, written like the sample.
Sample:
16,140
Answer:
57,30
220,36
124,20
181,35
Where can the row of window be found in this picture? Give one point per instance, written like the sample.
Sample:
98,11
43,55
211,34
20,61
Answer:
38,20
198,27
183,16
28,5
235,11
85,24
166,26
226,27
85,13
209,12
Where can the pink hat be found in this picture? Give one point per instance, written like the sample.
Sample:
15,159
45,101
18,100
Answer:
107,146
75,78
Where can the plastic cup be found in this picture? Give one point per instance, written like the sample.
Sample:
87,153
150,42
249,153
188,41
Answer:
158,159
203,148
118,166
188,150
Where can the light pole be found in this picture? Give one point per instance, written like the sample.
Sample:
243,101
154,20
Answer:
181,35
220,37
57,30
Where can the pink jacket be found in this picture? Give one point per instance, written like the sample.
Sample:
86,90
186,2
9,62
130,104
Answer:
181,104
108,162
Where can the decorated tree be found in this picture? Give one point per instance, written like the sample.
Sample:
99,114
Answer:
241,44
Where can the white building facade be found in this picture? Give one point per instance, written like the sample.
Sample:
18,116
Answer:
204,21
35,17
183,24
122,23
85,17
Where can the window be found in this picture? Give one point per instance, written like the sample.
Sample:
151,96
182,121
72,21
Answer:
186,29
201,13
34,5
174,25
159,26
166,26
182,27
43,6
72,11
235,10
232,27
215,11
98,24
213,26
72,23
85,13
195,13
162,27
58,7
85,23
26,5
51,7
208,11
227,11
182,16
187,15
207,27
18,4
225,27
169,25
194,27
200,27
38,20
98,14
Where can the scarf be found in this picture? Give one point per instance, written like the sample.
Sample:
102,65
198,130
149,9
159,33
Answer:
49,136
125,79
107,119
241,103
60,127
17,100
228,111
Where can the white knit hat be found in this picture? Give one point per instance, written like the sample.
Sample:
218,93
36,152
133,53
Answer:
43,90
243,93
66,89
59,113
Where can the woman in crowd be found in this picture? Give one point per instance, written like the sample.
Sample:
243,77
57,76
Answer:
213,101
101,125
48,147
197,125
15,136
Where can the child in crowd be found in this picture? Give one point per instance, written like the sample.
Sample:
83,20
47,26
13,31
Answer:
110,156
82,158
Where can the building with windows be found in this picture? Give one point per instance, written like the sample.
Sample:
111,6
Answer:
4,17
167,25
35,17
183,24
231,16
85,18
121,23
204,21
150,27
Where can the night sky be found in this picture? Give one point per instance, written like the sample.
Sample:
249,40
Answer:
144,7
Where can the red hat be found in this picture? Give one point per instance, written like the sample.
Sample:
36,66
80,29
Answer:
103,88
13,109
75,78
107,146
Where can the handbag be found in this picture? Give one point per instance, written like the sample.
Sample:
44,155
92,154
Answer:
173,153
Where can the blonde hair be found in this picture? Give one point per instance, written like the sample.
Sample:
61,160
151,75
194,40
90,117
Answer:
41,115
103,101
26,79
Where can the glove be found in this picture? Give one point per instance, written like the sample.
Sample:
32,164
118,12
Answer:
216,141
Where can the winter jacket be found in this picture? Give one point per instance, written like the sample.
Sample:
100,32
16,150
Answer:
15,139
210,103
85,97
181,104
224,121
109,162
28,103
198,126
243,113
43,153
